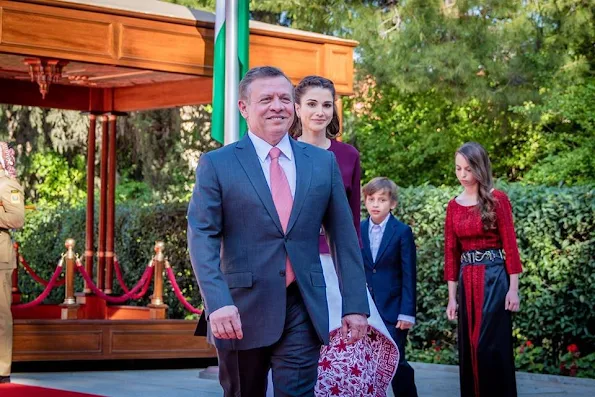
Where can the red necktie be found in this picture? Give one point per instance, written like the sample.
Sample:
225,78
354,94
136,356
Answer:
283,202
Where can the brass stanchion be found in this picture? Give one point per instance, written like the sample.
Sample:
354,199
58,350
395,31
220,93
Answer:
69,306
158,309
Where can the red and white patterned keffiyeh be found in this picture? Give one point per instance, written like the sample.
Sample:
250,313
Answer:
362,369
7,160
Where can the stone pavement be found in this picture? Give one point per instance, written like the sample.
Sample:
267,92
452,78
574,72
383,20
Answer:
432,381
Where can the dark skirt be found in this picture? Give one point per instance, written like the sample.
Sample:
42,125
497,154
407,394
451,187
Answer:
486,358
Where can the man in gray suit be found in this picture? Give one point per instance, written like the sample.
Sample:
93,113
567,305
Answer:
253,227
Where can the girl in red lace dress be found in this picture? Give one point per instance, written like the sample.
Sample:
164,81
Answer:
481,258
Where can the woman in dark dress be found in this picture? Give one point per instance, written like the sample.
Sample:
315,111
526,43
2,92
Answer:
482,266
365,368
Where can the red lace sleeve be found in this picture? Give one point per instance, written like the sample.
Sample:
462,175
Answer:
507,233
452,250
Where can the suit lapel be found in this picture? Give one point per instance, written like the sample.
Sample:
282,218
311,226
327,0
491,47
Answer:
303,175
250,162
365,227
389,231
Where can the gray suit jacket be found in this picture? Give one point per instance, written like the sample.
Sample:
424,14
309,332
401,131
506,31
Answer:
238,248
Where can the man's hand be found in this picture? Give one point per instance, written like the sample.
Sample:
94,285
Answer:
357,324
226,324
402,324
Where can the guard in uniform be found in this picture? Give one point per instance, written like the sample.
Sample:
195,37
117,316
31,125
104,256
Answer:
12,216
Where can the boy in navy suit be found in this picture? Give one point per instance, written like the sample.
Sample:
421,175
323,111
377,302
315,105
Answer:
389,260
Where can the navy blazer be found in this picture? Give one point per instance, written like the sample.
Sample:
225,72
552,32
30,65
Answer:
392,277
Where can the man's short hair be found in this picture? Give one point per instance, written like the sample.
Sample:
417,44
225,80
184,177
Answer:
381,183
260,72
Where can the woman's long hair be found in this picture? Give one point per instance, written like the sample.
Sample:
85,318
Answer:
333,129
481,168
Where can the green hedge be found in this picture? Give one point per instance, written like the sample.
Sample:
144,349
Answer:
138,226
556,235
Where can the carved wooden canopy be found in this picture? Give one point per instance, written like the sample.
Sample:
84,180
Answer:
123,55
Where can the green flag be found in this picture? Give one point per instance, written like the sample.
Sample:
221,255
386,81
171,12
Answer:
224,129
243,47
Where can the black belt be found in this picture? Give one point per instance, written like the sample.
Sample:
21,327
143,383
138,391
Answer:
482,256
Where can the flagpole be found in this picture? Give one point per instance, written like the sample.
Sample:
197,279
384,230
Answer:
218,116
232,117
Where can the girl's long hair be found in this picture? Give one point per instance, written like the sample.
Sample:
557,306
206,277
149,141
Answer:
481,168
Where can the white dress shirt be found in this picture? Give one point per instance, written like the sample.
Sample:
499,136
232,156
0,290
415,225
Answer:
286,160
375,232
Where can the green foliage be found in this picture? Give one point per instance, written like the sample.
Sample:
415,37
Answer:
565,125
207,5
436,352
42,243
57,183
412,137
571,362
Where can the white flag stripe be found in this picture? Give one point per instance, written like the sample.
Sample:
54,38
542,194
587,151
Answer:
232,117
219,16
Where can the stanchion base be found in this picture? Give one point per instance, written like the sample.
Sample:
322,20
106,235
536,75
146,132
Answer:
209,373
157,312
69,311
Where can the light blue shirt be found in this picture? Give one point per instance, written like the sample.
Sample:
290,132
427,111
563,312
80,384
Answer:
376,237
286,160
375,240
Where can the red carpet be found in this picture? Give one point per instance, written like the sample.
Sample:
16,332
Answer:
16,390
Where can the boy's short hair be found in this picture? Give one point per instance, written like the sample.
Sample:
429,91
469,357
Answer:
381,183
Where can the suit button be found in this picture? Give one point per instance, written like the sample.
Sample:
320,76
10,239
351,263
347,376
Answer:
374,271
282,273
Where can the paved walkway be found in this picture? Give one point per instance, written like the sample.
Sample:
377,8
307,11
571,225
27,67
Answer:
432,381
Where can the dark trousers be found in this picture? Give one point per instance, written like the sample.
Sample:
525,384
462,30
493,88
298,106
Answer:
404,381
293,359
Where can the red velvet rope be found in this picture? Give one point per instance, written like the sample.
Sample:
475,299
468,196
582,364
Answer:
146,286
119,276
35,276
176,287
44,294
132,294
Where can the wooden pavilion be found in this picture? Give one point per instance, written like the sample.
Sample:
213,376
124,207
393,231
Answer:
106,58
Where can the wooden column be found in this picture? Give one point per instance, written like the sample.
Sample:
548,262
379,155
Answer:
111,206
89,237
102,204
